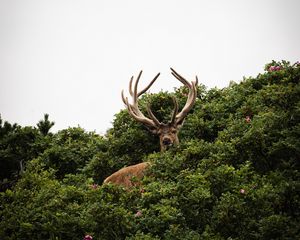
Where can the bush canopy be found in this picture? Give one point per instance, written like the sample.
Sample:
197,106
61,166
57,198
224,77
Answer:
235,174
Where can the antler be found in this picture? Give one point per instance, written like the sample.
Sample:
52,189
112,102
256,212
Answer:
153,122
178,118
133,108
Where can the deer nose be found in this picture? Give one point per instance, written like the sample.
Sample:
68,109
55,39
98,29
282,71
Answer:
167,141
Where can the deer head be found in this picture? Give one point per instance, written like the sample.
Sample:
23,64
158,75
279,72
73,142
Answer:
167,132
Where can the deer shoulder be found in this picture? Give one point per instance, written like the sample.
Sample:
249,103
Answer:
128,176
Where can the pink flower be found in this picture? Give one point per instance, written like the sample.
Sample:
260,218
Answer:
272,68
248,119
142,190
242,191
138,213
88,237
94,186
277,68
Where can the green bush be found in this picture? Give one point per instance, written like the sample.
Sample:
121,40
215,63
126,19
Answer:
235,174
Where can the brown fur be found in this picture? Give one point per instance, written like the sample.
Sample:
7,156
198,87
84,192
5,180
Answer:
128,176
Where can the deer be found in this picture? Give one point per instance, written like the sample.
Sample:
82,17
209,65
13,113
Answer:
167,132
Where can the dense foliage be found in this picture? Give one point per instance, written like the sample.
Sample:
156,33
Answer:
235,174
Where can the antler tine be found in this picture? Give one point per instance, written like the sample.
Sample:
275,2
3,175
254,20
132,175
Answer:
128,105
139,117
123,98
191,96
175,112
130,86
152,116
189,103
196,83
149,85
180,78
135,94
133,108
136,115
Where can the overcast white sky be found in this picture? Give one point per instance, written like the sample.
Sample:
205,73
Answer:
72,58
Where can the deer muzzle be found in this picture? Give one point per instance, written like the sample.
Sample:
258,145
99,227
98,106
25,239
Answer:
167,141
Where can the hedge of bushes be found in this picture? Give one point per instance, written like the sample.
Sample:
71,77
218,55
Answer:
235,174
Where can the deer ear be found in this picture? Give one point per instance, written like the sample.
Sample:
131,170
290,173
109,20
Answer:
179,124
152,129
